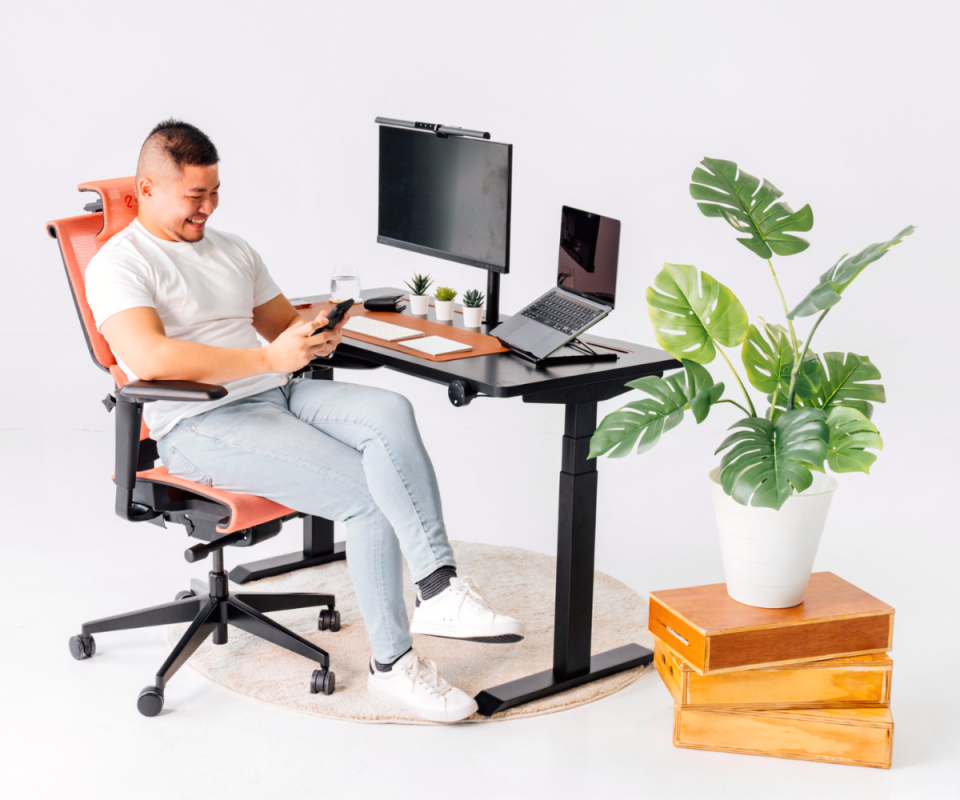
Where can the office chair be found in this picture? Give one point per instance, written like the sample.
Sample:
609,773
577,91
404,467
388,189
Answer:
147,493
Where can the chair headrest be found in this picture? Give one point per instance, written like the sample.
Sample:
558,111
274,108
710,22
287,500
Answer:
120,204
80,238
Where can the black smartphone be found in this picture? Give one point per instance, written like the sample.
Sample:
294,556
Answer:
337,314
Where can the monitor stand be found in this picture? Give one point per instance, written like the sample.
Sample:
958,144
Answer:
492,311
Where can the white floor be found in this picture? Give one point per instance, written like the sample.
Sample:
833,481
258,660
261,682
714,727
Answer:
72,729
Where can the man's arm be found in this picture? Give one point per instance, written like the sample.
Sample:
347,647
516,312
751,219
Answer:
138,338
274,317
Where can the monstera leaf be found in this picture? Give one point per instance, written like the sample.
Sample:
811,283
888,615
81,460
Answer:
850,433
750,208
768,356
769,460
827,293
691,311
649,418
845,384
700,389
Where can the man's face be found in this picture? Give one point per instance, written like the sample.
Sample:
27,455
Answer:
176,203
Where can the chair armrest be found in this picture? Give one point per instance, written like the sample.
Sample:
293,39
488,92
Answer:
338,360
130,400
181,391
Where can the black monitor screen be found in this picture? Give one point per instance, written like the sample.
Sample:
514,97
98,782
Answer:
589,251
445,197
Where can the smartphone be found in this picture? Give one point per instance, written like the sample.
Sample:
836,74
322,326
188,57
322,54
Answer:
337,314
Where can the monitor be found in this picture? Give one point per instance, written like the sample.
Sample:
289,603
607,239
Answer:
447,197
589,251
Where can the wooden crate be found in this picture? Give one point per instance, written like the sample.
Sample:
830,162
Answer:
857,681
714,633
856,736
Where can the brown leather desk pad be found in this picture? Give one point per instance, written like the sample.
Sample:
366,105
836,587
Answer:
482,343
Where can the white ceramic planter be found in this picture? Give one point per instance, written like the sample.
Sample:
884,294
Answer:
472,316
444,309
419,304
768,555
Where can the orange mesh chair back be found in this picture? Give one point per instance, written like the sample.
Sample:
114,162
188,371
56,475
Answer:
80,239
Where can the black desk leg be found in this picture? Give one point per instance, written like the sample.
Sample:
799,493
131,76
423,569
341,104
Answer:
318,544
572,663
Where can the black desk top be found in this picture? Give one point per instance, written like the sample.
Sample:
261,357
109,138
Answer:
508,375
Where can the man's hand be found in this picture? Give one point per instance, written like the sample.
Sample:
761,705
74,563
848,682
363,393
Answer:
296,347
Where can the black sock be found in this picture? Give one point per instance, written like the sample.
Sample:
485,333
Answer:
388,667
436,582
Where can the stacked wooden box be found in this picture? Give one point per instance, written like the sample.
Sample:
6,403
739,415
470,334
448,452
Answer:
810,682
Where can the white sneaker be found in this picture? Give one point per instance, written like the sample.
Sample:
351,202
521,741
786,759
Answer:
461,612
414,684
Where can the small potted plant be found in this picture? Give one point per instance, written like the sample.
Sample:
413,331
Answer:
472,308
771,493
444,302
419,300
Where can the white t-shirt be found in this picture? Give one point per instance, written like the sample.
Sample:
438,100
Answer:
203,291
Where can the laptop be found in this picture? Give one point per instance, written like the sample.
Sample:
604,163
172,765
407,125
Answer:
584,294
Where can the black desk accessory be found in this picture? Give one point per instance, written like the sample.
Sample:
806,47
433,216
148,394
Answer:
577,387
386,302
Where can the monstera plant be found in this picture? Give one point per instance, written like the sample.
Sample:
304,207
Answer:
819,408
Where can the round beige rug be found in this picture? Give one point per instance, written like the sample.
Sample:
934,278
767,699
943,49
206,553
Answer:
517,582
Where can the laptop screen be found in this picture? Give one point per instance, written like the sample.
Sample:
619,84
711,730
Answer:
589,250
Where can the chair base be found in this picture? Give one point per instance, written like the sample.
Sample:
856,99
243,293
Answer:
210,610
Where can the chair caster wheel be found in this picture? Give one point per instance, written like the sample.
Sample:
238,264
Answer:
185,595
82,647
323,680
150,702
329,620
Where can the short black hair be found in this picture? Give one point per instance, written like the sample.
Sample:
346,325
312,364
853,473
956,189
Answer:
184,143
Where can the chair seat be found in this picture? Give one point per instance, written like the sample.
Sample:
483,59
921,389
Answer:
245,510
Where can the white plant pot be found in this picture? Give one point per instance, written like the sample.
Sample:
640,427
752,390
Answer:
444,309
419,304
472,316
768,555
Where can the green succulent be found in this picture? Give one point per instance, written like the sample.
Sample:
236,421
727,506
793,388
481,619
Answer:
420,284
820,407
445,293
473,298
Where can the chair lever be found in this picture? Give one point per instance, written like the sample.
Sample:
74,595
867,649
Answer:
109,402
200,551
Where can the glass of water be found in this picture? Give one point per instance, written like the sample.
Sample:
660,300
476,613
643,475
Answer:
345,284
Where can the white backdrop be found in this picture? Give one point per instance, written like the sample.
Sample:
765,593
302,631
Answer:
850,107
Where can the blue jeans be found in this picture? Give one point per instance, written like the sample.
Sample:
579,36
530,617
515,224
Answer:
336,450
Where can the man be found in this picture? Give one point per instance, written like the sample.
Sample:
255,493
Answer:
178,300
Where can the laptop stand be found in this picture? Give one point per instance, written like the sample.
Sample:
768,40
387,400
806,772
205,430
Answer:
582,354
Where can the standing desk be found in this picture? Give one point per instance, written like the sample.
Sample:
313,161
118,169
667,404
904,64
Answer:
578,387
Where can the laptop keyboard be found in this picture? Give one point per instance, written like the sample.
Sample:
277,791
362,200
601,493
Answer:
561,313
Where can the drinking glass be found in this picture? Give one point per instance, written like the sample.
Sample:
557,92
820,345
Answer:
345,284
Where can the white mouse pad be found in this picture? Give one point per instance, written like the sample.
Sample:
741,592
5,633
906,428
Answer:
437,346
